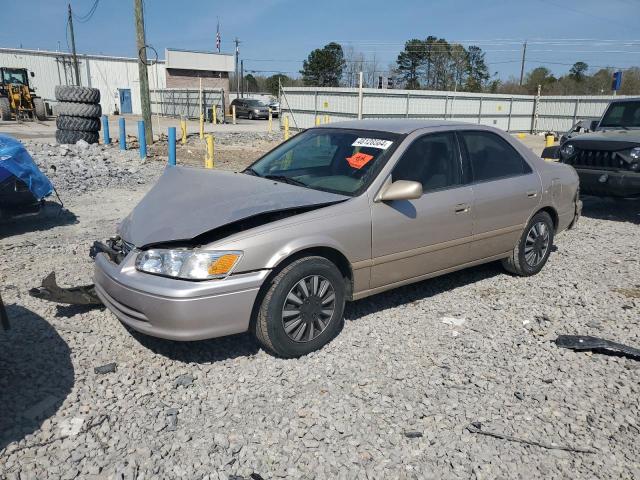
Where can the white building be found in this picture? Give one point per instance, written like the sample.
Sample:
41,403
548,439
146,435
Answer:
117,77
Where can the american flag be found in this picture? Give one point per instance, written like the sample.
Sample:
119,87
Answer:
218,40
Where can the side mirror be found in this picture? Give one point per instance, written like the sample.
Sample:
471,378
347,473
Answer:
33,74
594,125
401,190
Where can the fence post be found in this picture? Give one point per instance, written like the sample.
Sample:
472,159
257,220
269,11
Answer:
142,139
510,111
105,130
172,145
480,111
406,113
534,119
360,97
315,104
575,112
123,134
446,104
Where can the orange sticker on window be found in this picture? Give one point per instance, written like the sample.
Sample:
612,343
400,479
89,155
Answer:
359,160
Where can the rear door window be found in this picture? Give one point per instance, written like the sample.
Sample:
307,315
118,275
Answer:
491,157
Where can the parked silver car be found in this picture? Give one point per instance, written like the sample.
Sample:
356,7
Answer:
336,213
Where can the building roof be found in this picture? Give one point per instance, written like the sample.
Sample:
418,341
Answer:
394,125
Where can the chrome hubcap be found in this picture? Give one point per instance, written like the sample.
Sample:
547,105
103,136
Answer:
308,308
536,244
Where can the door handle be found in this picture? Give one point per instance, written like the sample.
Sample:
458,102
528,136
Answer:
461,208
532,194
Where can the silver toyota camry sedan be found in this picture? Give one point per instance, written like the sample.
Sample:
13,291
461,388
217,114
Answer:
337,213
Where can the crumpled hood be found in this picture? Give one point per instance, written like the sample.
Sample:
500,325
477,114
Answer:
187,202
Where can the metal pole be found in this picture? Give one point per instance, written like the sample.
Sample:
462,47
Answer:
360,97
141,140
73,47
123,134
510,112
242,78
145,99
105,130
480,111
524,55
172,145
237,77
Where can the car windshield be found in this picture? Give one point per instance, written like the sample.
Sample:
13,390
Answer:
254,103
622,114
14,76
333,160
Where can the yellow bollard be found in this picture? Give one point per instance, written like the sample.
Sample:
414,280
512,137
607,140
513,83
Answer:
214,115
270,121
286,127
233,113
208,161
201,126
318,121
549,140
326,119
183,131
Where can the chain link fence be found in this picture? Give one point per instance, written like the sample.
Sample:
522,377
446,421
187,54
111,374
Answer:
174,102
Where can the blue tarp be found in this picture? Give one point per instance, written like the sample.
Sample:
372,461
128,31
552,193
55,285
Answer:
15,160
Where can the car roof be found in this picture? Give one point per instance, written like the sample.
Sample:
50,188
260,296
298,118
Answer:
394,125
622,100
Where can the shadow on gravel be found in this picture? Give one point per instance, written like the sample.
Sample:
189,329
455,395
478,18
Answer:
609,209
421,290
202,351
36,374
49,216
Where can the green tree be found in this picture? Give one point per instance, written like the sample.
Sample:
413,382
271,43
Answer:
411,63
251,84
539,76
459,65
274,81
578,71
324,66
478,73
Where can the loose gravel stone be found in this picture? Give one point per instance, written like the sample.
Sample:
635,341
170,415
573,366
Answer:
346,411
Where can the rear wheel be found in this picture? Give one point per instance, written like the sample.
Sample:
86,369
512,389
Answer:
5,109
532,250
302,309
39,108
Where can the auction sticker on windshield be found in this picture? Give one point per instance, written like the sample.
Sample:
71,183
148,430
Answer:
359,160
372,143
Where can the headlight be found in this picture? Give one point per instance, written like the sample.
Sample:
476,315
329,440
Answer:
188,264
567,150
257,110
635,153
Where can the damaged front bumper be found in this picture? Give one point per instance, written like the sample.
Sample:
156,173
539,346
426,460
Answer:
176,309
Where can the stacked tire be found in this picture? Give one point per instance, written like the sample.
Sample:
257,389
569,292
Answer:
78,114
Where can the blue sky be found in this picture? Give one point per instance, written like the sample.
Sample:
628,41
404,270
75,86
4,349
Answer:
277,35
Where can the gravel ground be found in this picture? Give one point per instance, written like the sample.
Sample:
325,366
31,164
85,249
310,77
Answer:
390,397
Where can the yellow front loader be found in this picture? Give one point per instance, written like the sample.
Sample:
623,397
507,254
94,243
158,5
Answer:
17,99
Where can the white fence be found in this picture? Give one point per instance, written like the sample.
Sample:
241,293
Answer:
514,113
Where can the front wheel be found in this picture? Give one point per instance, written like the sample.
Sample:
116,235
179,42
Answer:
250,117
532,250
302,309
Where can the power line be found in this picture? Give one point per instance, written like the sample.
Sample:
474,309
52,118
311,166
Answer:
85,18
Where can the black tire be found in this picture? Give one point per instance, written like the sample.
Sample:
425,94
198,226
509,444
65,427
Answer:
250,116
5,109
73,93
519,262
269,327
71,109
39,109
73,136
63,122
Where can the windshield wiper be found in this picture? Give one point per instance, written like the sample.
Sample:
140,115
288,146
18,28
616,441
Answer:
251,171
285,179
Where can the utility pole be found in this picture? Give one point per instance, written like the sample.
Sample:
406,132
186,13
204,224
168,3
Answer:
73,47
524,55
141,43
242,78
237,76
